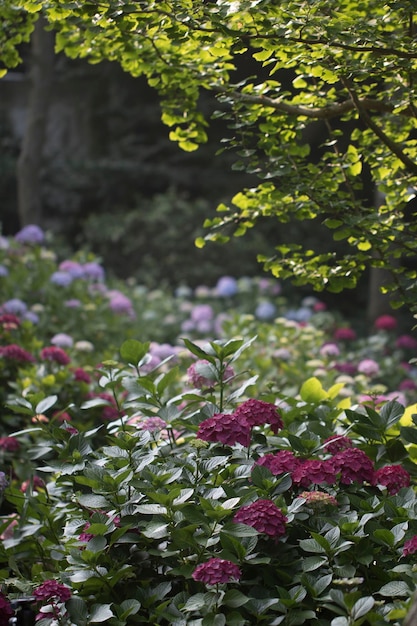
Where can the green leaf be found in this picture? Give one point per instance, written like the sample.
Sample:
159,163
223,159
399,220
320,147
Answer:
362,607
46,404
100,613
133,351
312,391
395,588
235,598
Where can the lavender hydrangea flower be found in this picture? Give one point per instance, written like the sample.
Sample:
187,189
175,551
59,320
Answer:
62,340
94,271
30,234
3,271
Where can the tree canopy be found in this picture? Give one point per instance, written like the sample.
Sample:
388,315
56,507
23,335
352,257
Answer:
319,96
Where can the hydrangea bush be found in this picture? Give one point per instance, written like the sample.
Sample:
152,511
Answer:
250,463
280,511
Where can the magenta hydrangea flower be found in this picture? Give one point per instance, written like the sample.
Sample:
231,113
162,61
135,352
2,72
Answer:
9,444
55,354
314,472
393,477
264,516
344,334
84,535
353,465
201,375
257,412
9,321
6,611
281,462
216,571
336,443
52,590
225,428
385,322
410,546
13,352
81,375
406,342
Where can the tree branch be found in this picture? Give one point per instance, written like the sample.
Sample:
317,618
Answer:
323,113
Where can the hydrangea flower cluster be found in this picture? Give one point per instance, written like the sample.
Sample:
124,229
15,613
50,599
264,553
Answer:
236,427
393,477
6,611
55,354
264,516
52,590
216,571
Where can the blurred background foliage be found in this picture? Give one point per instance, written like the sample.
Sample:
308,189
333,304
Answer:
113,182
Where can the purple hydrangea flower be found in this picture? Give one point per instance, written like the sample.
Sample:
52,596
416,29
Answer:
14,306
73,303
94,271
3,271
202,312
30,234
73,268
30,316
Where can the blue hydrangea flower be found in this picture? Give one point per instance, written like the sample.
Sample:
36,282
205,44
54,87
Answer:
265,311
226,286
63,279
3,271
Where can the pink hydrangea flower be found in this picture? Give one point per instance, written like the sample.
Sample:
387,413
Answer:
55,354
264,516
281,462
314,472
201,375
393,477
13,352
410,546
369,367
216,571
336,443
257,412
153,424
318,499
225,428
52,590
353,465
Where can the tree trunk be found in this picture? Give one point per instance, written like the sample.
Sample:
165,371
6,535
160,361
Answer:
29,196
